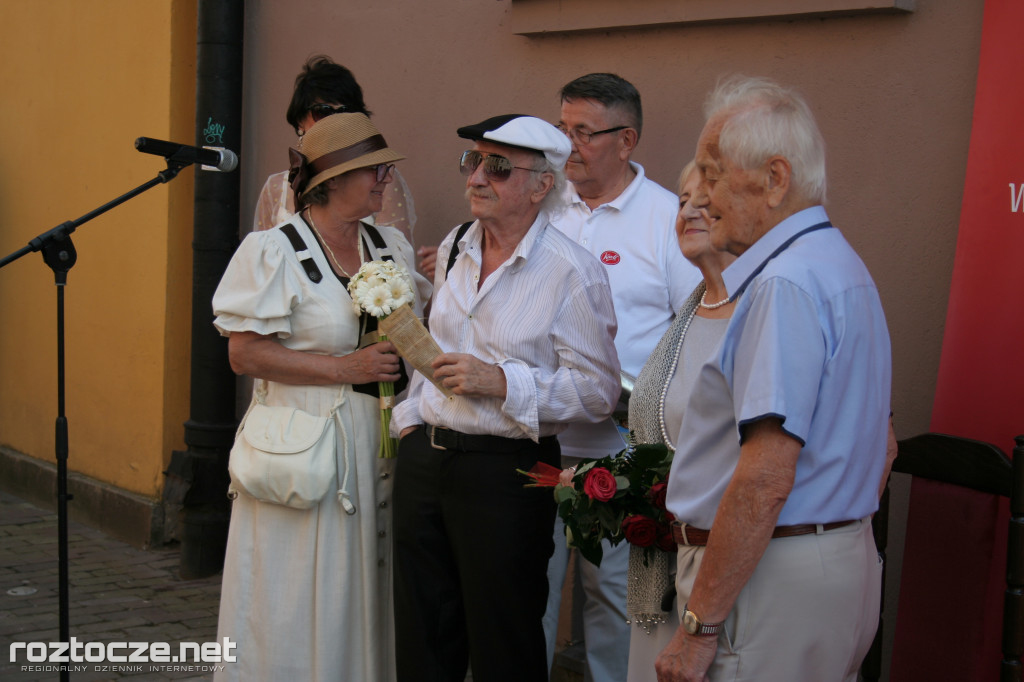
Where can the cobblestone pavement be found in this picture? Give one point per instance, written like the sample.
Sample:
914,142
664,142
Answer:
116,593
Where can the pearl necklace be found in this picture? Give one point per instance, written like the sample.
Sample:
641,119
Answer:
712,306
359,245
671,372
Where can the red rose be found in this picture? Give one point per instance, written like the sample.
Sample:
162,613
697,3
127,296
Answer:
639,530
665,542
657,494
599,484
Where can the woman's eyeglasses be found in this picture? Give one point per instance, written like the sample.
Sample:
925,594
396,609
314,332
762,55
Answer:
321,111
383,170
496,168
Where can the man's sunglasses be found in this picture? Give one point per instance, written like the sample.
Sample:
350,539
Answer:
321,111
496,168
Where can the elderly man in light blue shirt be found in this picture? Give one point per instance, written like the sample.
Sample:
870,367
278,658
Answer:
783,440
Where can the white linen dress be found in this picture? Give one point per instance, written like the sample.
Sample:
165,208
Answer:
307,593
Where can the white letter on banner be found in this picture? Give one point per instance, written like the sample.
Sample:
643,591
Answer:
1015,199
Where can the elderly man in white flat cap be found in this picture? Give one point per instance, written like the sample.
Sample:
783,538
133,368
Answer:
525,321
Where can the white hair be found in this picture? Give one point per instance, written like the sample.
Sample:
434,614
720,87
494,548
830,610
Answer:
764,119
554,202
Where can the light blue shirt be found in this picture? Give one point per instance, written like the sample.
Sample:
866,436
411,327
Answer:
807,343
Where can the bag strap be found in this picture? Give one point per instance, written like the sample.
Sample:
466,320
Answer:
305,257
259,390
463,228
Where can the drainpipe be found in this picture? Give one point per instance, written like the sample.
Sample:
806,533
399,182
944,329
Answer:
200,472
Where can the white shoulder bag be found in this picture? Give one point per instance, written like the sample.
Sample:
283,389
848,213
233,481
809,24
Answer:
284,455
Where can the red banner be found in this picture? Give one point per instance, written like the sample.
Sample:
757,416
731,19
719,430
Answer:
950,607
979,393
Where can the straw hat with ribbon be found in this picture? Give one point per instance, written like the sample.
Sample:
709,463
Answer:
334,145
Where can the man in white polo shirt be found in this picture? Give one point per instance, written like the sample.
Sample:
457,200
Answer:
627,221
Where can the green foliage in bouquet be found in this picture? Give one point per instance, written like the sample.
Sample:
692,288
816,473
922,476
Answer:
619,497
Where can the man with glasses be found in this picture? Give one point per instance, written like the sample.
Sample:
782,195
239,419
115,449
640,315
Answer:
627,221
525,323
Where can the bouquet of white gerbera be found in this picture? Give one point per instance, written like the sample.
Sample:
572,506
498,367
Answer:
378,289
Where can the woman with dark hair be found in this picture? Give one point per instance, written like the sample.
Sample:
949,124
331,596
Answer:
307,591
323,88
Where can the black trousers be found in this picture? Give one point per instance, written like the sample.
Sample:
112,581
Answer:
471,552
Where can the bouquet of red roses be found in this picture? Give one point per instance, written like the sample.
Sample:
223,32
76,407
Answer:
619,497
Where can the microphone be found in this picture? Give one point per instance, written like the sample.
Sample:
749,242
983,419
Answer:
212,158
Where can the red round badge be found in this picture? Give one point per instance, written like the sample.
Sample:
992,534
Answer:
610,258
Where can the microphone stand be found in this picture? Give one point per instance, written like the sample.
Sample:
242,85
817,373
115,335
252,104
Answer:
60,255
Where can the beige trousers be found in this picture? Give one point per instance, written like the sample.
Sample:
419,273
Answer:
808,613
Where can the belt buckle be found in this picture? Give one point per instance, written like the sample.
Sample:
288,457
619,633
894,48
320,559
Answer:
432,430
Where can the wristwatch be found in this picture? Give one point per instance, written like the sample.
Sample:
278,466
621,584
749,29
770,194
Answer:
693,625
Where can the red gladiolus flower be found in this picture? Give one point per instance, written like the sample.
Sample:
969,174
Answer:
640,530
600,484
543,474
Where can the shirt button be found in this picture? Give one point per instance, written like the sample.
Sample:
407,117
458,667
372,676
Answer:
380,562
471,316
385,476
383,505
382,534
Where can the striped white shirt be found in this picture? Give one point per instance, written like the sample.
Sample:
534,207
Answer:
545,316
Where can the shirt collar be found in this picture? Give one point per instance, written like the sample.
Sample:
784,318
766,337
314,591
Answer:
619,202
530,239
473,239
743,269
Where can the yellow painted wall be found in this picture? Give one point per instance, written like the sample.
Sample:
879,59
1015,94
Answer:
80,80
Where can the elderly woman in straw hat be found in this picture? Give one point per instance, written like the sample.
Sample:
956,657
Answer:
307,592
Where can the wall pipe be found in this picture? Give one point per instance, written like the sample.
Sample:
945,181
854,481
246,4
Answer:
210,430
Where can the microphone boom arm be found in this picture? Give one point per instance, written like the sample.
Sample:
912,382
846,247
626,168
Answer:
64,230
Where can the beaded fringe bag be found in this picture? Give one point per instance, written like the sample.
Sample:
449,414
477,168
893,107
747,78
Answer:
651,576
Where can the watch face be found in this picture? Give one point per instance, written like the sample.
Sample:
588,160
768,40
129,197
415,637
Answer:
690,623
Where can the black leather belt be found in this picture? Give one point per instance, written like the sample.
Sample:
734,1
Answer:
442,438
